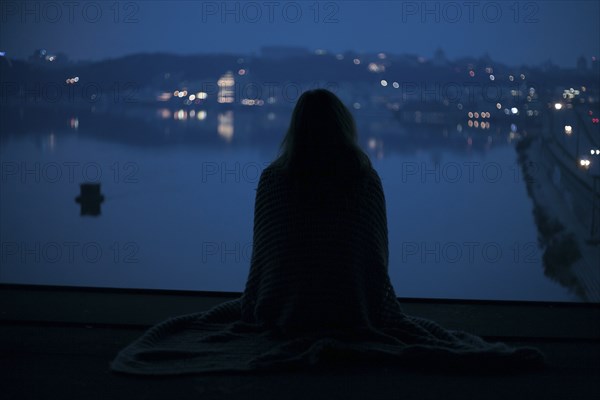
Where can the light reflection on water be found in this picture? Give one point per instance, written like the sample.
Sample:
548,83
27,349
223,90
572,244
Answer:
179,196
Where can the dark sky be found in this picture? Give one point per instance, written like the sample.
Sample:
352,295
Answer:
515,32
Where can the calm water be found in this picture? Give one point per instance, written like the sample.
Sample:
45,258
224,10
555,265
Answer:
179,198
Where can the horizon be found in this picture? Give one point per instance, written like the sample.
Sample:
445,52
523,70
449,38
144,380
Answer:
517,33
309,52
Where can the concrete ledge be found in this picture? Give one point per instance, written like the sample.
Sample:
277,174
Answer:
525,320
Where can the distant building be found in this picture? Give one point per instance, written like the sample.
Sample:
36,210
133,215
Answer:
279,52
439,58
582,64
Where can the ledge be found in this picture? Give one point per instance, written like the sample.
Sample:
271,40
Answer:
143,307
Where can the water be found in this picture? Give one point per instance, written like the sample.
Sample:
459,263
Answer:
179,198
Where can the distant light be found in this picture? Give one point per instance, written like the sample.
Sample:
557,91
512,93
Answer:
180,94
511,78
201,115
74,123
476,114
339,56
356,61
381,56
201,95
557,106
584,163
372,143
470,114
242,71
164,113
492,77
513,127
165,96
471,73
320,52
522,76
356,106
568,129
514,110
2,53
180,115
192,97
383,83
498,106
396,85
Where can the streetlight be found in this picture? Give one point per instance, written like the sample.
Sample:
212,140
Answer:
568,129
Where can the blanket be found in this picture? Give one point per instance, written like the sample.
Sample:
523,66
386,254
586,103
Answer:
317,292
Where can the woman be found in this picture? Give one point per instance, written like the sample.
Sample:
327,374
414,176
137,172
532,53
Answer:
318,288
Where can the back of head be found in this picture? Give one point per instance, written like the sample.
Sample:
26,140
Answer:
321,140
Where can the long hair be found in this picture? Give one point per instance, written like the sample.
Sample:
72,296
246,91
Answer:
321,138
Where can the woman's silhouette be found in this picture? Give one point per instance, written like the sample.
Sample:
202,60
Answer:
318,287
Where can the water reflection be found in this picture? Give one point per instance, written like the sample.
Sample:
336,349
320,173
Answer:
192,208
225,128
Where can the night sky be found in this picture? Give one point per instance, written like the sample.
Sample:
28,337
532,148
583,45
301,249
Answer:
512,32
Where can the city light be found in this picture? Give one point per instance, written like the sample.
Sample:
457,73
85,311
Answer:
558,106
374,67
165,96
568,129
584,163
226,93
595,151
383,83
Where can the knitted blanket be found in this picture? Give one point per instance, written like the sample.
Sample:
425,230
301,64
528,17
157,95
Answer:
318,292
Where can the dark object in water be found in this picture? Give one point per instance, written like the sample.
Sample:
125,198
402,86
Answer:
90,199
